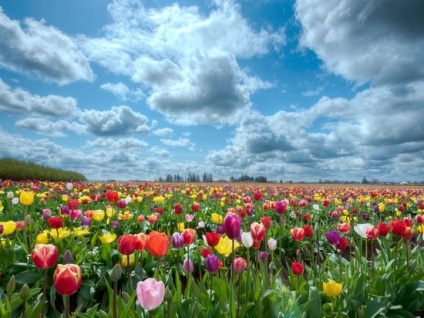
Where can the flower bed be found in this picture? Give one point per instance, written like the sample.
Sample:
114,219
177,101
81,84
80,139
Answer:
207,250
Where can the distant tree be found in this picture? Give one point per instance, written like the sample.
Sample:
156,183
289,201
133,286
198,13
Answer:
364,180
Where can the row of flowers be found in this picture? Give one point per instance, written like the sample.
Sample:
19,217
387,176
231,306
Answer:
92,243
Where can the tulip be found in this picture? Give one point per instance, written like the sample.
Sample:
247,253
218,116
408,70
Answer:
8,227
333,237
150,293
206,251
126,244
188,235
239,265
141,241
216,218
26,198
67,279
177,240
158,244
232,226
398,227
44,255
178,209
332,288
258,231
112,196
212,238
383,229
343,243
343,227
56,222
272,244
247,239
188,265
297,268
73,204
225,244
263,256
297,233
308,230
98,215
212,263
106,237
280,207
361,229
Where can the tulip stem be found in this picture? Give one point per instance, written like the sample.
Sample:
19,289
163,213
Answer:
67,303
129,274
44,291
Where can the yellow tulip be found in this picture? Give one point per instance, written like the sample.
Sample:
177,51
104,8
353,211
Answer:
158,199
110,211
381,207
65,197
60,232
332,288
225,246
216,218
8,227
107,237
79,231
26,197
42,238
124,261
98,215
180,226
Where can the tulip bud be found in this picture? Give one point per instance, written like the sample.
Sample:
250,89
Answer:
116,273
25,292
11,285
68,258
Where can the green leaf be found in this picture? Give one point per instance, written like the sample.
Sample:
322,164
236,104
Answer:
376,306
315,303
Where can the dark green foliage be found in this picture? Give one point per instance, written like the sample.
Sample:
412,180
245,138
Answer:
12,169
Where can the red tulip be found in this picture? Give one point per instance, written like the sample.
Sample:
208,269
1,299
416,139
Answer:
239,265
67,279
343,243
56,222
266,221
188,235
258,231
398,227
73,204
44,255
383,229
298,233
127,244
158,244
297,268
178,209
212,238
112,196
141,241
308,230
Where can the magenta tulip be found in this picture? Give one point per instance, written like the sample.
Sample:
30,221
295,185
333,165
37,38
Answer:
232,226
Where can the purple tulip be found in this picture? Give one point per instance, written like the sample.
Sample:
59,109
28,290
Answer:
188,265
85,222
121,204
177,240
212,263
220,229
333,237
1,229
232,226
263,256
65,210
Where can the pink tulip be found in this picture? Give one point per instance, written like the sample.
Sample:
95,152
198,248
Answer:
150,293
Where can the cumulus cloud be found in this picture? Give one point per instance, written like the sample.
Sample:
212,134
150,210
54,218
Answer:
117,144
119,120
43,50
189,61
180,142
50,128
20,101
163,132
376,41
121,91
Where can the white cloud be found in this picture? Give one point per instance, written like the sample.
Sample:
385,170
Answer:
120,120
50,128
180,142
117,144
121,91
41,50
188,60
163,132
20,101
377,41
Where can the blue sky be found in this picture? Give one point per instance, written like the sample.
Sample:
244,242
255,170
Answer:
302,90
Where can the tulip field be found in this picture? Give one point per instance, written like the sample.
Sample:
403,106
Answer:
127,249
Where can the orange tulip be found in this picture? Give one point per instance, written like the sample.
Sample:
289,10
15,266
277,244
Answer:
158,244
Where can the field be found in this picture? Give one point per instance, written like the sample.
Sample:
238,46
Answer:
147,249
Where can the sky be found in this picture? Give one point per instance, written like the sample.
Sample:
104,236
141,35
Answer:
303,90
